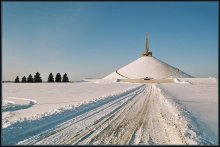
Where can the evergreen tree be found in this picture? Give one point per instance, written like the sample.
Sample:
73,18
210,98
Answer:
50,78
37,77
17,79
65,78
58,77
23,80
30,79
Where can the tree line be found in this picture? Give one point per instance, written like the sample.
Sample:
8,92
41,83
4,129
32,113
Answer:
37,78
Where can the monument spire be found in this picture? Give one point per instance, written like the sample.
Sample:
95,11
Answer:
147,44
146,50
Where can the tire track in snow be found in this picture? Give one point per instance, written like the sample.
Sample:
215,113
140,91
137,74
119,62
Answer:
74,125
101,121
140,117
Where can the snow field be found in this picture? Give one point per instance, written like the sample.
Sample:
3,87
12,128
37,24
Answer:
138,116
29,126
184,112
51,98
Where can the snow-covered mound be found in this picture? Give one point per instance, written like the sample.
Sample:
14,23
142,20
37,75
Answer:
147,66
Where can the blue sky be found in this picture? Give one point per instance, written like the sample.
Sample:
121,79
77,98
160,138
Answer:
92,39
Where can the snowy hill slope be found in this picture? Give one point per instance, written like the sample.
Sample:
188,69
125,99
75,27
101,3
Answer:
147,66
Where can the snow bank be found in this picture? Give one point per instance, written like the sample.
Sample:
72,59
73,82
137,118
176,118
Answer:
181,81
174,115
6,103
10,107
198,102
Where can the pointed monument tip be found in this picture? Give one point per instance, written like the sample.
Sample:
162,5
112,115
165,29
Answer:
146,50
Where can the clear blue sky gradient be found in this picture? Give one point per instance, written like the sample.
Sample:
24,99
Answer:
92,39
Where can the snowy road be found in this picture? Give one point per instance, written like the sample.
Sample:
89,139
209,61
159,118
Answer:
139,116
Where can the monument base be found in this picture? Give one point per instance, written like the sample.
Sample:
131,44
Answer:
147,54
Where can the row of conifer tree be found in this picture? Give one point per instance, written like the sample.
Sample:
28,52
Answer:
37,78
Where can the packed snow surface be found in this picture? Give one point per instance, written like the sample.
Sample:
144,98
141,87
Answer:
146,66
100,112
50,97
199,96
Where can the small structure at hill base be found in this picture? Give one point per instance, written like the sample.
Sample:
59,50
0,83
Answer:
147,66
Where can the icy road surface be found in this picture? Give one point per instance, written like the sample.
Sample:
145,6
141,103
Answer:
140,116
